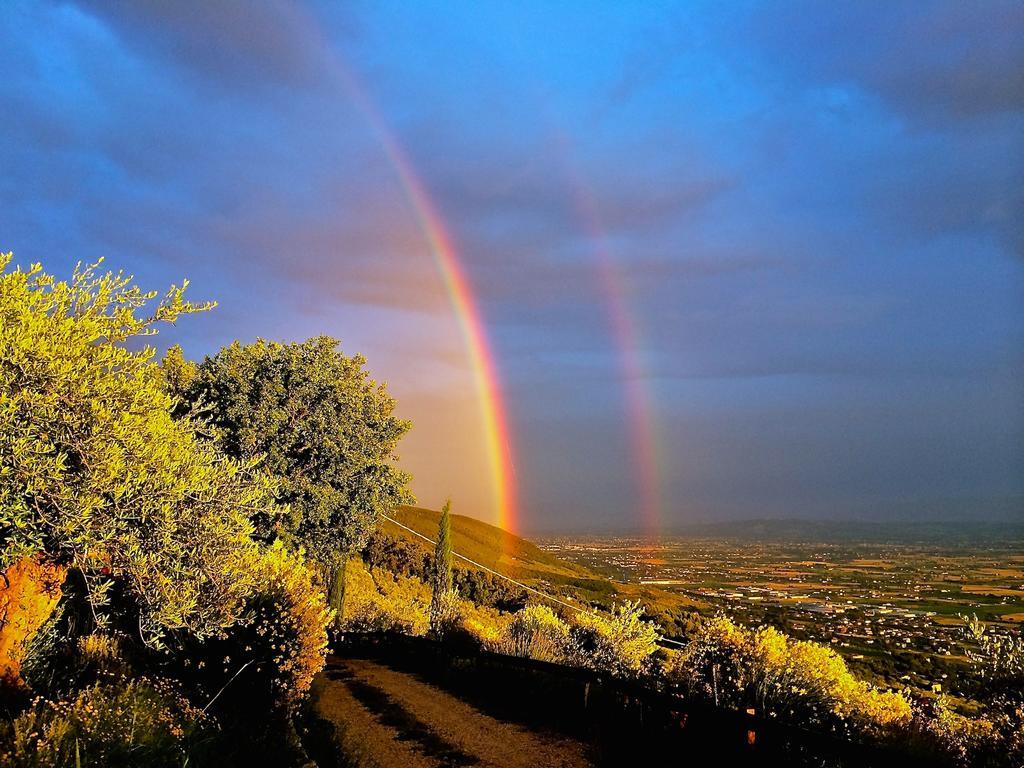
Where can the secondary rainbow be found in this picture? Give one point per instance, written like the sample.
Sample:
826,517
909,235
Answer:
498,441
643,438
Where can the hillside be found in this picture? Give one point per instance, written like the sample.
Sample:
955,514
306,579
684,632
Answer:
523,561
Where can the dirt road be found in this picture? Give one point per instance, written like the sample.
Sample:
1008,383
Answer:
385,717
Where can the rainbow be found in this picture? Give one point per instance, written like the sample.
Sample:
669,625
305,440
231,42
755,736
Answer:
643,438
497,437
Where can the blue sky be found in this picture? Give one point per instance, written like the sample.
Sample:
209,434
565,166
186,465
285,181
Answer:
815,208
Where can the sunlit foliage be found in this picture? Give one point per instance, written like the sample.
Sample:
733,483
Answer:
620,642
94,472
380,601
777,676
537,632
284,627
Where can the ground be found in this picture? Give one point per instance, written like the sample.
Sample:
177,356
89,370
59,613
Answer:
386,717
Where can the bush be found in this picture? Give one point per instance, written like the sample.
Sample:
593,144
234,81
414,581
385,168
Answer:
486,631
799,681
620,643
537,632
290,617
270,656
959,739
712,665
378,601
446,617
137,723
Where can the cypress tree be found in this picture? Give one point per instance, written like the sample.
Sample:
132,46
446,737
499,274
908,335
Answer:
442,576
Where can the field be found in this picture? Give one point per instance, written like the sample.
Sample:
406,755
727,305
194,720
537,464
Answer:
893,609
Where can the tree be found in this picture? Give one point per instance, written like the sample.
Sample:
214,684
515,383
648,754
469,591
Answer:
95,474
318,424
441,579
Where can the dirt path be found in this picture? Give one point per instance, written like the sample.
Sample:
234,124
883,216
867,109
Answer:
384,717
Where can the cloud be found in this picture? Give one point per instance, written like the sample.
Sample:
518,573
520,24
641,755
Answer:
933,62
233,42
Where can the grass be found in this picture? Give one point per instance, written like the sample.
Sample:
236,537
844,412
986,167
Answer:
523,561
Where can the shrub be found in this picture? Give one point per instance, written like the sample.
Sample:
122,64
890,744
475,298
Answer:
957,738
378,601
145,722
290,617
446,615
487,634
270,656
620,643
800,681
712,666
537,632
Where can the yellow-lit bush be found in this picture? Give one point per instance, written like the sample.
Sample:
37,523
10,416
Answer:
289,616
487,633
137,723
620,643
381,601
959,738
269,657
800,681
537,632
811,683
446,619
713,666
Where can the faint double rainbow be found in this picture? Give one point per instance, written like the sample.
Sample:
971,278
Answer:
497,437
498,443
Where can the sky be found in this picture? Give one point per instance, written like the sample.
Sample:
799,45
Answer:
733,260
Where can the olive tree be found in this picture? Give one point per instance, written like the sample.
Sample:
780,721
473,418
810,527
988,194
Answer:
95,473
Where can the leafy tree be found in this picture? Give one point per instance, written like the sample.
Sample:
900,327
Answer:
441,578
318,424
96,475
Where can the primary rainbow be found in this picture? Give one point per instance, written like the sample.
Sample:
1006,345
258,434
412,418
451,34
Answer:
498,442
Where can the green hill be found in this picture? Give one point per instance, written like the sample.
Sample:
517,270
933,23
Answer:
523,561
497,549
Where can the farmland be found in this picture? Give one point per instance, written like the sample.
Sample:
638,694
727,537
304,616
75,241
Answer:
892,609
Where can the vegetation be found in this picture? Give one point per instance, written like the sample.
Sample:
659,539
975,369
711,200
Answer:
441,603
116,725
127,542
777,676
96,476
800,681
318,424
